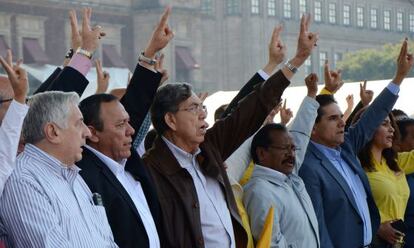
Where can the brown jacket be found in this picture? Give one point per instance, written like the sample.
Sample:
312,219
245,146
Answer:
176,192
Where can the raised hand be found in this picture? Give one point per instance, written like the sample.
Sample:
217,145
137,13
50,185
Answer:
404,63
272,114
75,38
161,36
17,76
311,82
350,101
365,95
306,41
159,66
333,79
102,78
90,36
277,50
285,114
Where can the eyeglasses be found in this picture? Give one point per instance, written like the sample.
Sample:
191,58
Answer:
195,109
286,148
5,100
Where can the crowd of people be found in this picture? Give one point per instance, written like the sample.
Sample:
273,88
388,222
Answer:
90,173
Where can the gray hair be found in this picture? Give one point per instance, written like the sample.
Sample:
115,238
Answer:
51,106
166,100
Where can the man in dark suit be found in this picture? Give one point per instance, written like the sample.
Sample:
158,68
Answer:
110,166
339,189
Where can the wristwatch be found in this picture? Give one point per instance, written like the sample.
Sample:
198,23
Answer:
147,60
291,67
84,53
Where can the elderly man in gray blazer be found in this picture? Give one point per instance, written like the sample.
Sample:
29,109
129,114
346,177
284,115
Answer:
275,183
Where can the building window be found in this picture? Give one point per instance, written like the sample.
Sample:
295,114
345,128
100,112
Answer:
332,13
400,21
302,7
287,8
271,7
318,11
373,18
347,15
255,8
360,16
308,65
411,22
337,58
387,20
207,7
322,58
233,7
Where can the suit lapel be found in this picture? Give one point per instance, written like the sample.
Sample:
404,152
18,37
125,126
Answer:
114,181
137,169
335,174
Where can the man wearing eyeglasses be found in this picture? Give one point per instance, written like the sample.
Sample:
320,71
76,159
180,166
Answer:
278,153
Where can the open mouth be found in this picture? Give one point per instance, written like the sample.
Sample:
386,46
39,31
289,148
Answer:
203,128
289,162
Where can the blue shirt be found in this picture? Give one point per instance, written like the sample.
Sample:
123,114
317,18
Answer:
355,185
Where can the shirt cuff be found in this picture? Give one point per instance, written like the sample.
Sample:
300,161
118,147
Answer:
80,63
395,89
263,75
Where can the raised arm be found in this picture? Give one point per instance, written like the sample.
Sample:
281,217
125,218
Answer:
275,58
229,133
302,124
11,124
146,79
363,130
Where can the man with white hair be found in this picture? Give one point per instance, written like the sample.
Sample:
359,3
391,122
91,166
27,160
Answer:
45,202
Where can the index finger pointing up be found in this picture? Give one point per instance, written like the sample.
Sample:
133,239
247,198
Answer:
164,17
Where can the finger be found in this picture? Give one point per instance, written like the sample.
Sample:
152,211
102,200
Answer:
326,70
302,24
361,89
364,86
9,57
85,20
308,21
284,104
164,17
73,21
98,66
6,66
276,34
106,75
403,50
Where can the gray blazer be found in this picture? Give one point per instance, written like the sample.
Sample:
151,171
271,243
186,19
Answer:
295,223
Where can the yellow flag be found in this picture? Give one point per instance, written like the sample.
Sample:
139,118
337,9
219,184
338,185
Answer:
266,235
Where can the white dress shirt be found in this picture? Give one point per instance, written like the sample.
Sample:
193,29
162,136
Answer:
134,190
10,130
48,204
215,216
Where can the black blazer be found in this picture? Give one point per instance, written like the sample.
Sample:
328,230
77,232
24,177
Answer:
65,80
122,214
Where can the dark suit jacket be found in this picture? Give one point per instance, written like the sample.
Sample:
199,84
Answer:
177,194
123,217
65,80
340,224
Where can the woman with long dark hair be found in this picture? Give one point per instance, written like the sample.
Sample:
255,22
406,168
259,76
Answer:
386,170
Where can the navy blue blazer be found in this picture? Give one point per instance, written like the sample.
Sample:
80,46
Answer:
340,224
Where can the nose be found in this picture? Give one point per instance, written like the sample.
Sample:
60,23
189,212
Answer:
86,132
341,122
130,130
391,129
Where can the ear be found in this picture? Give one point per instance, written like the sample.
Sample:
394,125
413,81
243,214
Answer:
52,133
171,121
94,135
314,130
261,154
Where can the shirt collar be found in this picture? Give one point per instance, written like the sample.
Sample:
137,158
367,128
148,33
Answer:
116,167
180,154
68,172
328,151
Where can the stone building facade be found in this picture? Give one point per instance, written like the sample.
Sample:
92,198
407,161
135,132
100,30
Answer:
218,44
